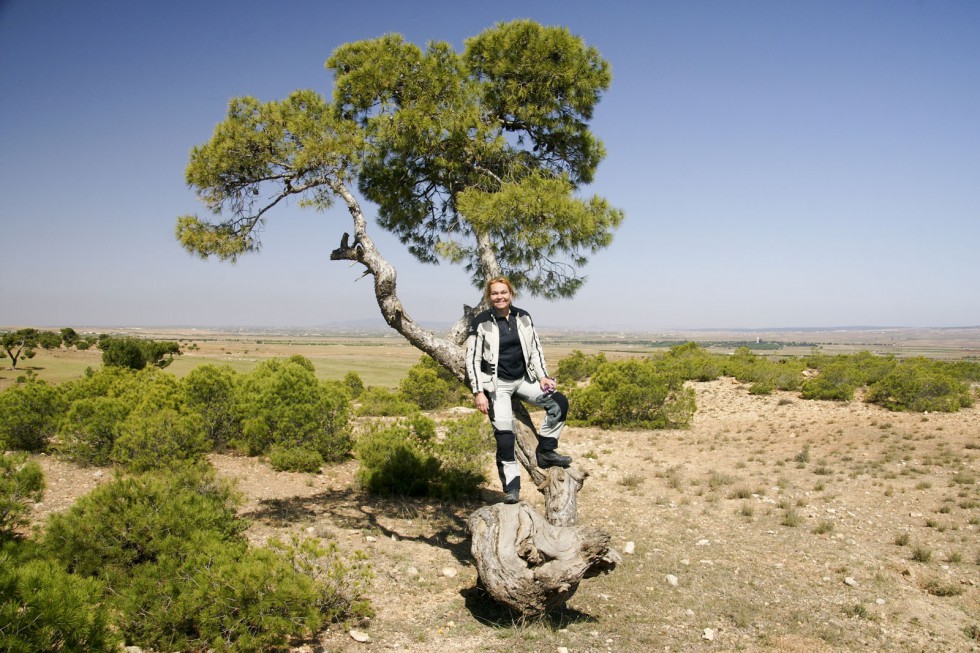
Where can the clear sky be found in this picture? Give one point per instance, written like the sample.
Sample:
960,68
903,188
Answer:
780,164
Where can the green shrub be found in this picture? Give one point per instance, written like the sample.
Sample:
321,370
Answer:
31,412
219,598
91,427
179,575
429,386
354,383
135,520
394,462
135,353
282,402
633,394
211,392
376,401
691,362
161,439
833,383
44,608
21,482
579,366
341,583
920,385
294,459
463,452
233,598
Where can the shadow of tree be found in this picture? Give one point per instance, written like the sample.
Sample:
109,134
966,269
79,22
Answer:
492,614
353,509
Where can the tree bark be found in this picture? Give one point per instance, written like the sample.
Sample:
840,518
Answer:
530,562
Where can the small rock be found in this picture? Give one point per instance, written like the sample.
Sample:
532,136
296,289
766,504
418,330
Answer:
310,529
449,572
850,582
412,571
371,538
709,634
359,636
686,562
689,612
672,580
880,601
630,548
562,649
98,474
703,543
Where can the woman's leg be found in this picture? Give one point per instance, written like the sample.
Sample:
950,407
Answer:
502,418
555,405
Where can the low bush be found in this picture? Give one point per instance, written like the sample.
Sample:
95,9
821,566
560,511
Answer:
920,385
294,459
835,382
136,520
376,401
283,403
416,458
178,575
44,608
394,462
430,386
633,394
21,483
31,412
211,392
91,427
579,366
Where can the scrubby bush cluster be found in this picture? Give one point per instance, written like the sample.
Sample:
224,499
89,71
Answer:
159,561
147,419
650,392
426,386
412,457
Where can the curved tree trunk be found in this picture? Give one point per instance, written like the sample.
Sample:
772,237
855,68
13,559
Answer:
530,562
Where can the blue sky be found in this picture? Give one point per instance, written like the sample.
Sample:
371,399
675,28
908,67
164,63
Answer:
780,164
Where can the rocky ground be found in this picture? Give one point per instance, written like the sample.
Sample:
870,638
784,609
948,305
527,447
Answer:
772,524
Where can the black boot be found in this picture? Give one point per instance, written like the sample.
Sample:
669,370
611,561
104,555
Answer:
552,459
513,495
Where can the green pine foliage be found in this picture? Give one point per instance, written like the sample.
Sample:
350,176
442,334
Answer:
283,403
416,458
634,393
31,412
177,574
211,392
430,386
376,401
921,385
21,483
45,608
579,366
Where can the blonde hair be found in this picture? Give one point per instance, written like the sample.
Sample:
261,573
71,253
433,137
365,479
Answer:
503,280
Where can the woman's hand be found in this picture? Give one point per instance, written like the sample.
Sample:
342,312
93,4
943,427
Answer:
482,403
548,384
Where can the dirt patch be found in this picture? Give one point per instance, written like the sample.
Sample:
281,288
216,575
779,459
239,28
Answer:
772,524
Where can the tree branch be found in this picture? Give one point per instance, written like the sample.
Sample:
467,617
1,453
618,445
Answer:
447,353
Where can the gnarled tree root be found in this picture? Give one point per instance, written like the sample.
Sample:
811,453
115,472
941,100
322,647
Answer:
530,565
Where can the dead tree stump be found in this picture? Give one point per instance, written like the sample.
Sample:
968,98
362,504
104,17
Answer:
530,565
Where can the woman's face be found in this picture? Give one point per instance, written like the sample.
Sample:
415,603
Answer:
500,296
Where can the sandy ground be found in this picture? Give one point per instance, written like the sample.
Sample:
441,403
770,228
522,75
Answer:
772,524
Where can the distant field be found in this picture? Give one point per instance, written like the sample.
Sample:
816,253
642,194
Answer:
383,358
